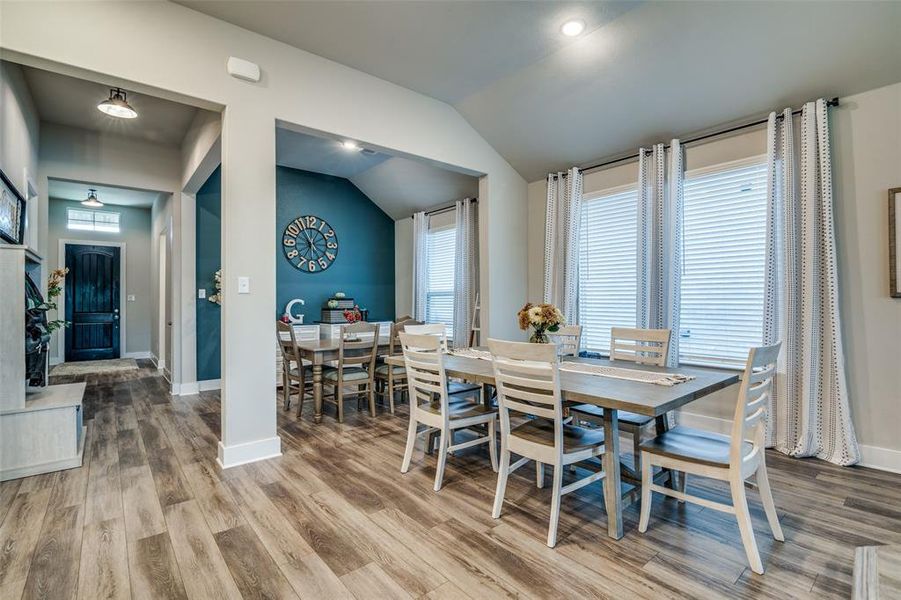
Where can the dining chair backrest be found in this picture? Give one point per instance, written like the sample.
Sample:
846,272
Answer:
642,346
357,345
527,378
568,339
397,328
424,365
749,423
438,329
287,342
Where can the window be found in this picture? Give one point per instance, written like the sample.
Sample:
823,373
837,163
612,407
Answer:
723,269
440,294
92,220
607,265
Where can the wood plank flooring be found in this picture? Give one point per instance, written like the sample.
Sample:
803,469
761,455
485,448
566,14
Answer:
150,515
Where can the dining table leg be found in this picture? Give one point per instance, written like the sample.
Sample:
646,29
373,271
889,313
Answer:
317,393
613,498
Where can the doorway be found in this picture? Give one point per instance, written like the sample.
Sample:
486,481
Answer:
92,302
163,305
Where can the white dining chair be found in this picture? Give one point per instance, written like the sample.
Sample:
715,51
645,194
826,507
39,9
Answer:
431,405
455,388
568,339
527,377
732,458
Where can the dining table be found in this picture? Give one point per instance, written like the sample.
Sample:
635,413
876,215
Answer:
613,395
320,352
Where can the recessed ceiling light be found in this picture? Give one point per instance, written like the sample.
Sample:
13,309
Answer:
116,106
92,201
350,145
573,28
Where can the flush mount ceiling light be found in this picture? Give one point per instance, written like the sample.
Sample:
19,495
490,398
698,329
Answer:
91,201
116,106
350,145
572,28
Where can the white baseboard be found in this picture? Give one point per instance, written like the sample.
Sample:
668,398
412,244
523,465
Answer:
241,454
874,457
188,388
208,385
138,355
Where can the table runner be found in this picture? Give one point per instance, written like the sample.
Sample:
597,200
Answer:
666,379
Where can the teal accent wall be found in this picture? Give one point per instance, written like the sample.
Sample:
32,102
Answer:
207,262
364,267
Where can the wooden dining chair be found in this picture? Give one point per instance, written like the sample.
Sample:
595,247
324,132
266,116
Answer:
295,375
732,458
640,346
357,348
393,378
431,405
455,388
568,339
527,377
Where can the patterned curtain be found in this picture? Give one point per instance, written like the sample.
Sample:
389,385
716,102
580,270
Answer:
420,265
659,257
809,413
561,242
466,269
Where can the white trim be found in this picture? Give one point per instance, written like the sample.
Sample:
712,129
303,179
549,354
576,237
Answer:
63,242
185,389
248,452
208,385
874,457
137,355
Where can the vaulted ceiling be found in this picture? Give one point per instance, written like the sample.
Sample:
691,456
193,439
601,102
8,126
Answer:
641,72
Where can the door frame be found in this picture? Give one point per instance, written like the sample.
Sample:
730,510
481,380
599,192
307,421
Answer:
61,349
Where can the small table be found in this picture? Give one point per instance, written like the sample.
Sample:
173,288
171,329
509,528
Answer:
612,395
319,352
877,572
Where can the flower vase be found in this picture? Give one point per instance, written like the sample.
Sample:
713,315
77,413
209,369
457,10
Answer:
538,337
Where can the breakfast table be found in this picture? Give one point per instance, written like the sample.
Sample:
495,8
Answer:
613,394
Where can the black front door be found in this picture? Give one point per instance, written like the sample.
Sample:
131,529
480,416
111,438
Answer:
92,302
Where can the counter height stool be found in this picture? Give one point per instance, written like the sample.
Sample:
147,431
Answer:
732,458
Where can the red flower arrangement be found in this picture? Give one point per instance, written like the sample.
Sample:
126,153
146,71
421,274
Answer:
353,315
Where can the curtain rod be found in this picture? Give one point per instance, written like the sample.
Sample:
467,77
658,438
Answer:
833,102
446,208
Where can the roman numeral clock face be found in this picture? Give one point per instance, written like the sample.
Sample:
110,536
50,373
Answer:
310,244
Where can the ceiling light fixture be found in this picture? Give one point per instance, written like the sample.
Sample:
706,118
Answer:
573,28
92,201
350,145
116,106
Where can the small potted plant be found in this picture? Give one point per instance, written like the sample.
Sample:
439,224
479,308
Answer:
541,318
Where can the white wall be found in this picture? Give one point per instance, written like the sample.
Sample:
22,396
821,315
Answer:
135,233
299,88
866,136
403,267
19,139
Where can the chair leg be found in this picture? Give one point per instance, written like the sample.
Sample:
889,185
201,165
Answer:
492,447
646,495
442,459
555,506
339,396
502,471
286,392
683,483
766,497
371,399
390,385
740,502
539,474
411,442
636,448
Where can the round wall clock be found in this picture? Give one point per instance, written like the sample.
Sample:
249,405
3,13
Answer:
310,244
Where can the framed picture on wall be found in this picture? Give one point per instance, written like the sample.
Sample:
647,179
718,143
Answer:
12,212
894,241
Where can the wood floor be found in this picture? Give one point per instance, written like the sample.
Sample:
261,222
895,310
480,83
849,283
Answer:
149,515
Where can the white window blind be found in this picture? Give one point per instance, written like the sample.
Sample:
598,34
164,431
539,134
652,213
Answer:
92,220
724,239
607,266
440,294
